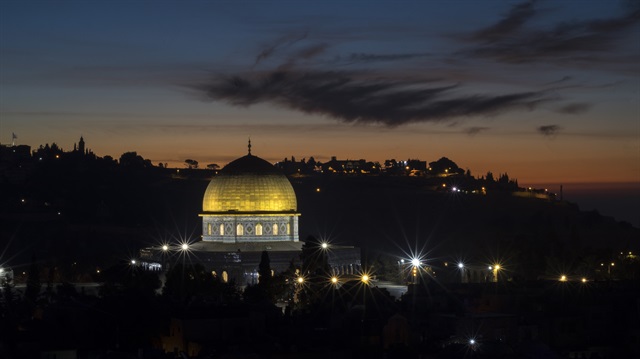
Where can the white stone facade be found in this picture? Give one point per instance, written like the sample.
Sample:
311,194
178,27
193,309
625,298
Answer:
240,228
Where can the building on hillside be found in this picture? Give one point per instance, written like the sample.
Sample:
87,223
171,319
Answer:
248,208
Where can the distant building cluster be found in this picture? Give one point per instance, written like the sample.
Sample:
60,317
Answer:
17,161
411,167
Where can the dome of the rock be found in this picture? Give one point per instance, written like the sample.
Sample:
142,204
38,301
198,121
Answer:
249,185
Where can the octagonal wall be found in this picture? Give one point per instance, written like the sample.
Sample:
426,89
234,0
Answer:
228,228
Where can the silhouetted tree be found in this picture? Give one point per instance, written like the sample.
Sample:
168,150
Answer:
8,295
311,164
489,177
191,164
264,269
386,268
445,165
133,160
8,318
33,282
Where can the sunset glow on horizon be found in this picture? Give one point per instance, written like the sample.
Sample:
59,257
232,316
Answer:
546,92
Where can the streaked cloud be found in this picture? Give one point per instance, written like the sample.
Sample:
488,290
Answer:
549,130
573,43
574,108
476,130
354,99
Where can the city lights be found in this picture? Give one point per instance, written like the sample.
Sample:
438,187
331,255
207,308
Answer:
209,215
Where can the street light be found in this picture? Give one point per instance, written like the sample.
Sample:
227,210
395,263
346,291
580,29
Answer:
324,245
415,262
300,280
184,246
463,277
495,268
165,247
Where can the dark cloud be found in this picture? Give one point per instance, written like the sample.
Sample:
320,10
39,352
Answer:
282,42
549,130
574,108
475,130
351,98
360,57
305,53
571,42
392,100
311,51
518,15
564,79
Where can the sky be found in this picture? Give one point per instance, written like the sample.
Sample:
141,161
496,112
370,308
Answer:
547,91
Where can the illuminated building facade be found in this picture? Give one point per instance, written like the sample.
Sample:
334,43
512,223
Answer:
248,208
249,201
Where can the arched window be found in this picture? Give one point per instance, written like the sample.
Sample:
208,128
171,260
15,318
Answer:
288,228
221,229
209,228
239,230
275,229
225,276
258,229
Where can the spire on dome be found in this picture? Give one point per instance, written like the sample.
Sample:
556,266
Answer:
249,146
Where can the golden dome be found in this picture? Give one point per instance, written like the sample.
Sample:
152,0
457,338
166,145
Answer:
249,184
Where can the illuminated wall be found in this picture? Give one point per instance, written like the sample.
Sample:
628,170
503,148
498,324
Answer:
228,228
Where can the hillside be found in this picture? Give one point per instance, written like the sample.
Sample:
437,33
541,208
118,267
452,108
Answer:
92,216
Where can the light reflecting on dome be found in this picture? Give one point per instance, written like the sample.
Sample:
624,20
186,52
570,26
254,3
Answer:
249,184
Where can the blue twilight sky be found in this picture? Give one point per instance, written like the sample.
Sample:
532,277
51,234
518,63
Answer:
548,91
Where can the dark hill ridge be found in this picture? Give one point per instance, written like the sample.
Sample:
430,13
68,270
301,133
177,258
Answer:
397,214
109,213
